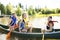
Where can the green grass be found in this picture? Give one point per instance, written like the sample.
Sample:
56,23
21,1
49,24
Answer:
45,15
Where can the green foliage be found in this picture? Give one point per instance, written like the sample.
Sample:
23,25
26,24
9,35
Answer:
37,10
47,12
20,5
18,10
43,12
58,10
31,11
8,9
2,8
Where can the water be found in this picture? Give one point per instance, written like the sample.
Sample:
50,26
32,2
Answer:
36,22
3,21
2,36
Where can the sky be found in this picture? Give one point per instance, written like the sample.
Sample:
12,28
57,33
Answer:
34,3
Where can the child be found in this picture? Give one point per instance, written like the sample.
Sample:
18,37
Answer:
50,24
23,23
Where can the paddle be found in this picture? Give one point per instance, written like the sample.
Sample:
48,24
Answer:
4,26
43,35
8,35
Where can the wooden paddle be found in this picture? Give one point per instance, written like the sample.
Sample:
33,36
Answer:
43,35
8,35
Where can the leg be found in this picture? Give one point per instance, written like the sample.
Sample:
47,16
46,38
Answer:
42,31
30,29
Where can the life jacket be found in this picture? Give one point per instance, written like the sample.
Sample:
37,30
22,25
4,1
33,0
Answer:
23,24
50,22
26,23
13,20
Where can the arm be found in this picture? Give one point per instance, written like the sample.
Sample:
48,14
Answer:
10,19
30,26
9,22
54,21
19,24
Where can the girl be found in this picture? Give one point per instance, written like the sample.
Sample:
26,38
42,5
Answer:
50,24
24,23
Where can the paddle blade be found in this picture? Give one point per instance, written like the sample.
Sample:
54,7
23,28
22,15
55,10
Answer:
8,36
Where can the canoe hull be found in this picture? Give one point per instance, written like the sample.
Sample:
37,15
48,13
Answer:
53,35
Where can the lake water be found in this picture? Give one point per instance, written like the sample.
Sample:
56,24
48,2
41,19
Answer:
36,22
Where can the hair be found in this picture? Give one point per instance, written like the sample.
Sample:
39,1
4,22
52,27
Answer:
23,21
50,17
13,13
23,14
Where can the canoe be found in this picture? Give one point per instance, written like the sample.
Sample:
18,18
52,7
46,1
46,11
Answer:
53,35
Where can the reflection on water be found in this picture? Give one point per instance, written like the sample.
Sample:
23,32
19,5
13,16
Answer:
4,20
36,22
2,36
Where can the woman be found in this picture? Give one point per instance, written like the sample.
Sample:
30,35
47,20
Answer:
24,23
50,24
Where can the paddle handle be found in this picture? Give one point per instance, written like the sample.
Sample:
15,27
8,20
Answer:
43,34
43,37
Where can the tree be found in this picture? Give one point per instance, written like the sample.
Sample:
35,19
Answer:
8,9
18,10
57,10
38,10
2,8
20,5
31,11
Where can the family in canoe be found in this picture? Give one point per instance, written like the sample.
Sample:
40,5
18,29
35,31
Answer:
24,25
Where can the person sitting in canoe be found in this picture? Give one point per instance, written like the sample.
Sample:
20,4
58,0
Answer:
11,25
12,21
50,24
24,23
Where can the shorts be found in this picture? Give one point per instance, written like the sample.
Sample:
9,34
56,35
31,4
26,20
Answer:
47,27
21,26
53,30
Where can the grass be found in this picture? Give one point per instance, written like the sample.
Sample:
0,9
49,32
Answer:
45,15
